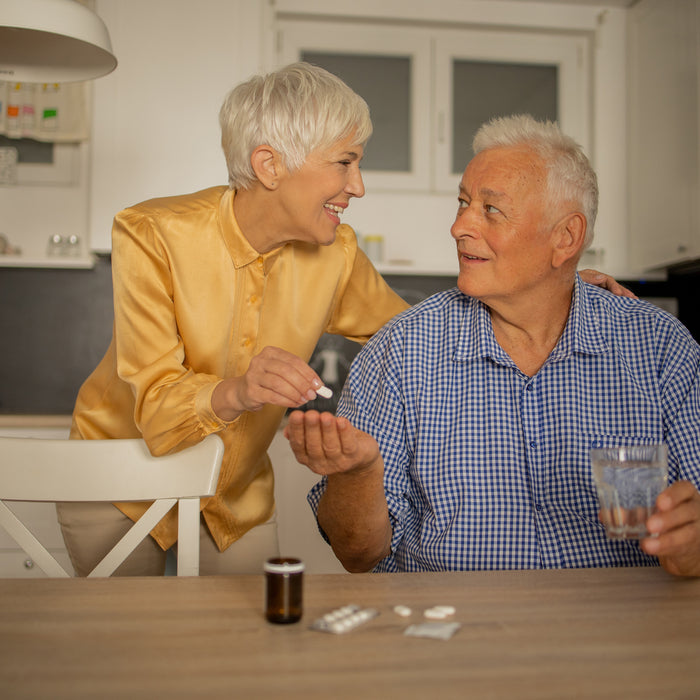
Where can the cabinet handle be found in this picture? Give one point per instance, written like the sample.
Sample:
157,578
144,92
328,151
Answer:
28,564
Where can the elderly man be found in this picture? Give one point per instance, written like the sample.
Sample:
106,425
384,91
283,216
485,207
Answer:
463,435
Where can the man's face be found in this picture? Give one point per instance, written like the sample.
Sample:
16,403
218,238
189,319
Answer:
502,227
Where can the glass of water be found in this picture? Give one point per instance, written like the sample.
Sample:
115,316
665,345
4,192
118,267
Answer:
628,480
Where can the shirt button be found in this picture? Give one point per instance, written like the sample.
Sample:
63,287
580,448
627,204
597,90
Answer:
533,444
246,342
253,299
529,387
538,507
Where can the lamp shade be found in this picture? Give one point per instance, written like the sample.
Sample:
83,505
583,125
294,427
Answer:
52,41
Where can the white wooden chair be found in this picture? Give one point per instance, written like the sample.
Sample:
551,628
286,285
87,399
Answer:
109,470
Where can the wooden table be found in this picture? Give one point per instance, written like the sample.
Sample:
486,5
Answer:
603,633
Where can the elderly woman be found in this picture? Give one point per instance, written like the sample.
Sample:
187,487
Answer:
219,300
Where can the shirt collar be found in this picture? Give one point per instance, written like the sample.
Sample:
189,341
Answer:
581,334
240,250
476,338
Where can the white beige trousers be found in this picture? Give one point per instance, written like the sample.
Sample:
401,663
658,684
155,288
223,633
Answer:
90,530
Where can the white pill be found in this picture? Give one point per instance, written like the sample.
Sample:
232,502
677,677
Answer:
325,392
435,614
402,610
447,609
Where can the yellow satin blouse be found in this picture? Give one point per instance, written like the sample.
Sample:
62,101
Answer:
193,303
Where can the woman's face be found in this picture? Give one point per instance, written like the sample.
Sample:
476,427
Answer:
313,198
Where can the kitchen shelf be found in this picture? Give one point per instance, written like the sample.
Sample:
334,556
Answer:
85,262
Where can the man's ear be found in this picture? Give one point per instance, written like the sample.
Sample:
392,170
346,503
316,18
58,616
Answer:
569,237
267,166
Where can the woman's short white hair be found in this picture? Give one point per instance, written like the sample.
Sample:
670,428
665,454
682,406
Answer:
570,176
295,110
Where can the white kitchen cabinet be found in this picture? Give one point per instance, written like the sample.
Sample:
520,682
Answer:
664,119
584,44
442,107
391,68
481,73
33,211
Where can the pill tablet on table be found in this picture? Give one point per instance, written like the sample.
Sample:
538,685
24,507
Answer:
446,609
439,612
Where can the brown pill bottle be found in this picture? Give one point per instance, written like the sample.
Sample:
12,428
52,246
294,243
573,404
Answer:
284,578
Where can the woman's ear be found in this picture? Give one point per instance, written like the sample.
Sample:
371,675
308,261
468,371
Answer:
570,235
267,166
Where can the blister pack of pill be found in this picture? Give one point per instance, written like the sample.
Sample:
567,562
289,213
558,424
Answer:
344,619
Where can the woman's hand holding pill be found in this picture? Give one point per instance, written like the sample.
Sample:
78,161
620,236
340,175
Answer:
274,376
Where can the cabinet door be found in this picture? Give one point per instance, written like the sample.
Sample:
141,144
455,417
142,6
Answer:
390,68
480,74
663,118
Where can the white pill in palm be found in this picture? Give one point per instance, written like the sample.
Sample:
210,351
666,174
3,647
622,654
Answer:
324,392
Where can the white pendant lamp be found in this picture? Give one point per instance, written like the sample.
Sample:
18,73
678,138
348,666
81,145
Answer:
52,41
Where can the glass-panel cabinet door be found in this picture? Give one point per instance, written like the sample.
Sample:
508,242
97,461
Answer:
503,88
385,84
390,68
483,74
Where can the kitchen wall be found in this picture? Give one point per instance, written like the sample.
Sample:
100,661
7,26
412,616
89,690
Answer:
155,122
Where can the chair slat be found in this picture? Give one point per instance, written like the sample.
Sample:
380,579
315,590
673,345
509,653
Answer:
110,471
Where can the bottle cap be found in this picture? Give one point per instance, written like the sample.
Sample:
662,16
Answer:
283,565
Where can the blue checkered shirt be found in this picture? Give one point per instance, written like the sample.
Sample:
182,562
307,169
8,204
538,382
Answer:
487,468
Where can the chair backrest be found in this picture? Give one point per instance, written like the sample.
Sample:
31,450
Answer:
109,470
